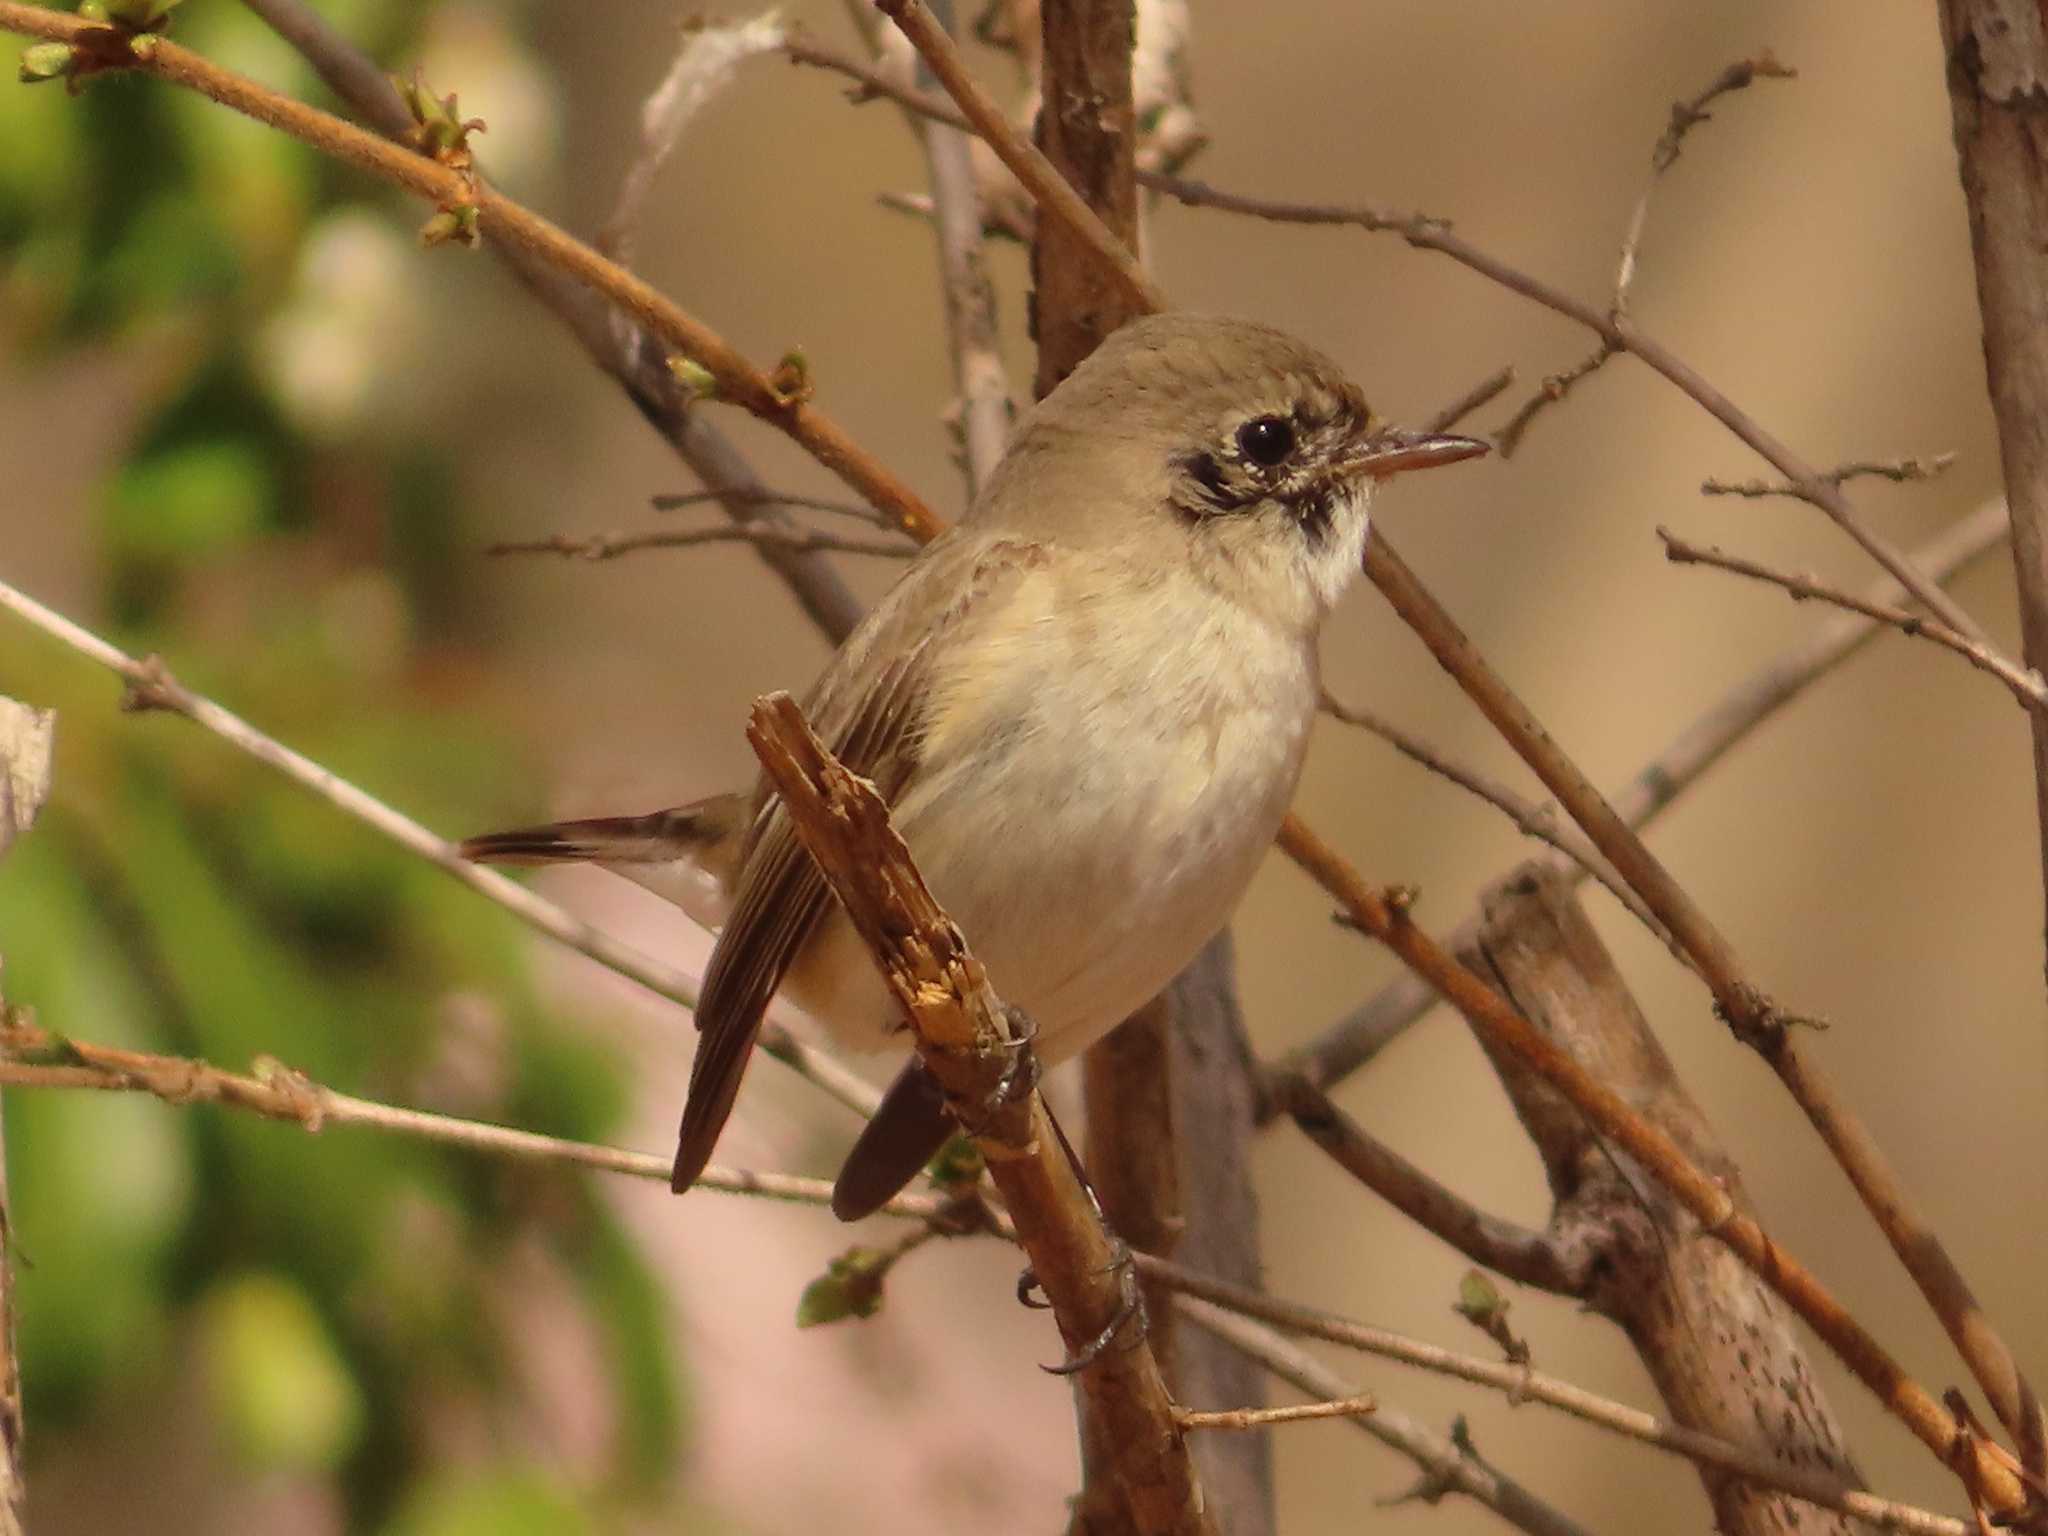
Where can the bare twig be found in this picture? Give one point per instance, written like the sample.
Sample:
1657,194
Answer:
1898,471
1540,1259
1230,1311
762,496
1030,167
965,1039
609,546
1685,116
2025,686
705,62
1538,821
978,376
1260,1418
1354,1039
151,686
1484,392
1554,388
33,1058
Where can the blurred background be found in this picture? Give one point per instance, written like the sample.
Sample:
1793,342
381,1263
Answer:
246,422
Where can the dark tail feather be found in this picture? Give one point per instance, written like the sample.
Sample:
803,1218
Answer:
687,832
905,1134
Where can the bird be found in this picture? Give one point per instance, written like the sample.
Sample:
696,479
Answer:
1087,704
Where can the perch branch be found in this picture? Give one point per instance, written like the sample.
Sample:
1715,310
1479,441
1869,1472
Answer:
965,1039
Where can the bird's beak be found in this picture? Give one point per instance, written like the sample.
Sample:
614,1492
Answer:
1395,452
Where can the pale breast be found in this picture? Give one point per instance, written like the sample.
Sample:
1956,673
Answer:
1095,793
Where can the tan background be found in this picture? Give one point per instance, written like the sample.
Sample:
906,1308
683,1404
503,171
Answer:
1872,855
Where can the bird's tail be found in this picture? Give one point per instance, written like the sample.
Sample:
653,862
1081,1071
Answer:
688,855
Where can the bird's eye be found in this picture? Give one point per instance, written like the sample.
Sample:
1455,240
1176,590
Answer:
1266,440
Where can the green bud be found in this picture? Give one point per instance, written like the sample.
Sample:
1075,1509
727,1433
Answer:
47,61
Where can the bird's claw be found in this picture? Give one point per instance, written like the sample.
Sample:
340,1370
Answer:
1130,1307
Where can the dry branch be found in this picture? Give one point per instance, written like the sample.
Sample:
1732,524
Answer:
1984,1470
966,1041
1997,57
2025,686
1720,1348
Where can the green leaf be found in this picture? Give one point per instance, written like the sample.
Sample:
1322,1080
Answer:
281,1389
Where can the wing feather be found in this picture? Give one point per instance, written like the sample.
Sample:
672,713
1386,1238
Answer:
872,717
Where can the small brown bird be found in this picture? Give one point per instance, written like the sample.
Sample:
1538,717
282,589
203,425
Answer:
1087,705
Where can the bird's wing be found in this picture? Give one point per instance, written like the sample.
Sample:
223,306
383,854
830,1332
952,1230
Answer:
871,711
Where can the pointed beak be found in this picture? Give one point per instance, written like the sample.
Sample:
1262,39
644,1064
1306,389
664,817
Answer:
1395,452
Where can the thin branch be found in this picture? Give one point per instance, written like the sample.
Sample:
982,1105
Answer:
966,1040
2025,686
1533,820
763,496
1539,1259
1260,1418
733,378
1982,1471
1553,391
1898,471
1685,116
1224,1309
34,1058
1484,392
1045,185
1355,1039
609,546
151,686
978,376
706,59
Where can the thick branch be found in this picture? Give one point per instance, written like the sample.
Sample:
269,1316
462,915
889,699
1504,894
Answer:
1719,1346
965,1040
1984,1471
1997,57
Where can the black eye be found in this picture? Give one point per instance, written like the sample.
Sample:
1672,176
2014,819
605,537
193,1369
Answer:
1266,440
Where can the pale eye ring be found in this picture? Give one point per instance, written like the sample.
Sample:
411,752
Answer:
1266,440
